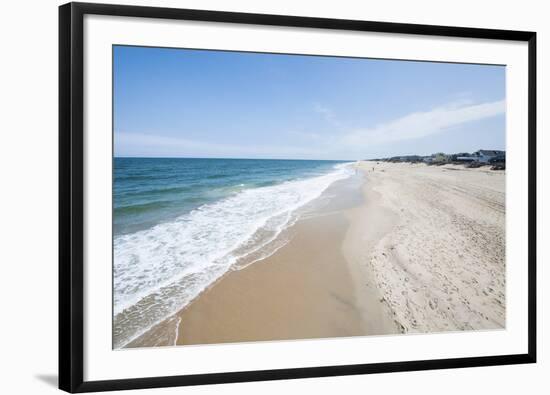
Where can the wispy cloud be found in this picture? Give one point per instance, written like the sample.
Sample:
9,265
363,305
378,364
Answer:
422,124
341,142
327,114
144,144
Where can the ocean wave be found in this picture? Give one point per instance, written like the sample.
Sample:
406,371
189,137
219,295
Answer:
141,208
160,270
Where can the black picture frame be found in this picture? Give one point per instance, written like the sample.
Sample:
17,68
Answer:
71,173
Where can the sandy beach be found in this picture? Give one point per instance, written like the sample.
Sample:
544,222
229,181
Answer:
397,248
442,265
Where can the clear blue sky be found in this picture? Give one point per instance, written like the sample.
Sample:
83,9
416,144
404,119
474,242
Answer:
193,103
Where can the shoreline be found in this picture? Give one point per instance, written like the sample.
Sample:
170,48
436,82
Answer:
377,257
300,291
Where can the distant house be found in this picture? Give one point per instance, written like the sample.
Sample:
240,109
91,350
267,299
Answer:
465,158
484,156
461,157
498,159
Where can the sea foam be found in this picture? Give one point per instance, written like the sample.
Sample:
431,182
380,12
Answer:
158,271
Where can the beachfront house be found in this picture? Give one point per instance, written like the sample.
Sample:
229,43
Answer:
463,157
484,156
427,159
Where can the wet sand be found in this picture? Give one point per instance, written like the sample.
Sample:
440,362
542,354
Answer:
306,289
399,248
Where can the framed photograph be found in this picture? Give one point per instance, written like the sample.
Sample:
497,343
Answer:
253,197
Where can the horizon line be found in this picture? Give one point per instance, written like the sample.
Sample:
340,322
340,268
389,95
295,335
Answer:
230,158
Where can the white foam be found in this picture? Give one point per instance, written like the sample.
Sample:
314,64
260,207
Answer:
160,270
177,331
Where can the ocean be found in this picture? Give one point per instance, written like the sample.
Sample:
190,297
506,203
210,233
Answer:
179,224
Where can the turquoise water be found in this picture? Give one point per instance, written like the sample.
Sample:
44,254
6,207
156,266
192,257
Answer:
180,224
148,191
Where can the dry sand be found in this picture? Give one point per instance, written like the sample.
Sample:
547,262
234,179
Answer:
409,248
442,266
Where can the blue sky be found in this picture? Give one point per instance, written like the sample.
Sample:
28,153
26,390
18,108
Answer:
193,103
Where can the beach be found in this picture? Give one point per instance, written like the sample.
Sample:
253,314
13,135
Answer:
395,248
